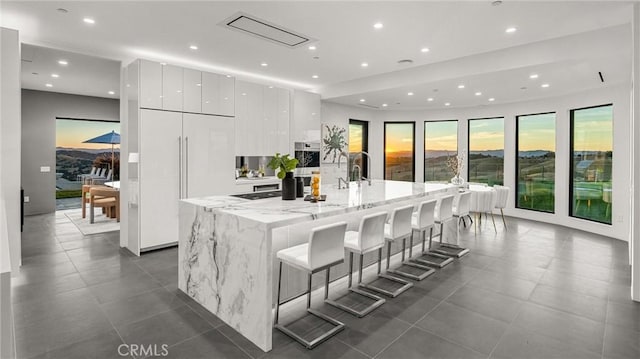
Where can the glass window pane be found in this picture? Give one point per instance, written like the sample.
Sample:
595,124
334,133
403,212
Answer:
399,151
592,153
440,142
536,162
357,143
486,150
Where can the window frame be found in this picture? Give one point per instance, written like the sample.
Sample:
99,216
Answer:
469,144
365,140
424,143
518,160
571,159
384,148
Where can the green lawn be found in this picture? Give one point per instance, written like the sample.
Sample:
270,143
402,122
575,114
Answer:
76,193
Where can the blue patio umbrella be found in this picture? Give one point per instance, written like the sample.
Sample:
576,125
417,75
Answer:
109,137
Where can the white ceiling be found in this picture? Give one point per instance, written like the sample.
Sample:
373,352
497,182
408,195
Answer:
452,30
83,75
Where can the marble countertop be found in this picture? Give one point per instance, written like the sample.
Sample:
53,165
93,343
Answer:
258,180
275,212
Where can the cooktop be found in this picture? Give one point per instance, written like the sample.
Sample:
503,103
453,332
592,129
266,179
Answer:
258,195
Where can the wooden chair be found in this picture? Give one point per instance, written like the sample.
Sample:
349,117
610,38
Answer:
107,198
85,197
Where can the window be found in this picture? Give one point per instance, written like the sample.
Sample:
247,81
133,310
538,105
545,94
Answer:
591,158
536,161
486,150
440,142
399,151
358,142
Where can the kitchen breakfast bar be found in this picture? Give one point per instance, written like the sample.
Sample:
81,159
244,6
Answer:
227,246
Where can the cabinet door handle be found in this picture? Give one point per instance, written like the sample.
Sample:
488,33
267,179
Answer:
186,166
179,167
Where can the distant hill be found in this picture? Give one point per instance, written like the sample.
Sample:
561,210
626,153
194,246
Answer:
535,153
88,150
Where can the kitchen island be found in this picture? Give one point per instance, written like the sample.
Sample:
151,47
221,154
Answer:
227,245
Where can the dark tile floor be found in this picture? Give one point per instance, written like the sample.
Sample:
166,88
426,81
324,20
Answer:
534,291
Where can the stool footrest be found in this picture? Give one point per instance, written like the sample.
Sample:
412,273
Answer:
404,285
451,250
310,344
412,271
433,259
374,299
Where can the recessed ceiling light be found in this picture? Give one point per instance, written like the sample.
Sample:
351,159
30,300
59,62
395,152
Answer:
163,64
492,99
424,49
362,100
447,104
228,76
111,93
409,93
244,94
193,47
89,20
55,75
544,85
315,76
430,99
384,105
63,62
270,87
364,64
264,64
312,47
510,30
199,85
478,93
461,86
378,25
533,76
49,85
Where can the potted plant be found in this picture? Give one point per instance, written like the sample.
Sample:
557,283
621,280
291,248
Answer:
284,167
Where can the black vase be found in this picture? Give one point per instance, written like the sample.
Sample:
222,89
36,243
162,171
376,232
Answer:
299,187
288,187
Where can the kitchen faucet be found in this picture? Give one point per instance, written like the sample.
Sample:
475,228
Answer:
340,179
359,173
368,178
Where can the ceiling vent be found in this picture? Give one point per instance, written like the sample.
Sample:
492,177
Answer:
265,30
369,106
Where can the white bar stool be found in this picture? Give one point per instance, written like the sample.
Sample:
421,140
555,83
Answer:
399,227
324,250
461,208
421,221
369,238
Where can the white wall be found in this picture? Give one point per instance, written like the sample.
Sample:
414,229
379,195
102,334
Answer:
10,137
618,95
39,112
336,114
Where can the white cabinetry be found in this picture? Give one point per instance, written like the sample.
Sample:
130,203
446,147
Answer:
181,156
192,87
218,94
150,84
306,111
262,120
171,88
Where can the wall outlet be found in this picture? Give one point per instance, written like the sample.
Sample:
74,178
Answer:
26,199
44,169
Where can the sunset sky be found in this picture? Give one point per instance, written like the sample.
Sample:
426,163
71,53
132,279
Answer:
355,138
537,132
486,134
71,133
399,137
593,129
441,136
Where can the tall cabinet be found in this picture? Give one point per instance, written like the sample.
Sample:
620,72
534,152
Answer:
181,125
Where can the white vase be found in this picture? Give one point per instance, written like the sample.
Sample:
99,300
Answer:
457,180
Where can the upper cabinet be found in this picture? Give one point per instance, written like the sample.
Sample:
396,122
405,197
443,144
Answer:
306,111
218,94
192,91
262,120
150,84
172,88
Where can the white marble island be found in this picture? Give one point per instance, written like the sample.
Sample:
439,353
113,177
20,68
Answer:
227,245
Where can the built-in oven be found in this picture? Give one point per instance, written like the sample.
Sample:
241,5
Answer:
307,154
